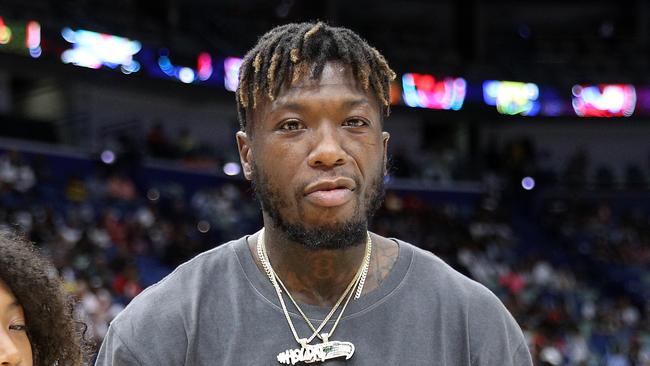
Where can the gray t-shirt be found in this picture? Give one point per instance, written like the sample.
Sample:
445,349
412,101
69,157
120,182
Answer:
220,309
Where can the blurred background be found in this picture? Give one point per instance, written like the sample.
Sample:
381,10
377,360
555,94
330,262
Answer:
520,148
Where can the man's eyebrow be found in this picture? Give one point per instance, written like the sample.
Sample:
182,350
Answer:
299,107
356,102
291,106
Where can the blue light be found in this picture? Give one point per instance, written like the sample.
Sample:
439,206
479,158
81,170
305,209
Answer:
409,92
108,157
69,35
131,68
528,183
166,65
231,169
35,52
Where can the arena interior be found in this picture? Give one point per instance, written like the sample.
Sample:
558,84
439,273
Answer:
519,150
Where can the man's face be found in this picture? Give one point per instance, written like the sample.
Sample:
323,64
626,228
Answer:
317,157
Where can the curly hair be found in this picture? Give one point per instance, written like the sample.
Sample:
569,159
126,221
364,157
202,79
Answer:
54,335
289,52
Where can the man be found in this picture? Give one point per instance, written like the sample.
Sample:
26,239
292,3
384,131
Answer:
314,285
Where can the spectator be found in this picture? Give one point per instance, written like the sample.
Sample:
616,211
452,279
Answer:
45,335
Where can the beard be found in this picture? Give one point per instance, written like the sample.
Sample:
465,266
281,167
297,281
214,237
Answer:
341,235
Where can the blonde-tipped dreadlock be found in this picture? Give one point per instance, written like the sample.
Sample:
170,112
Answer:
288,53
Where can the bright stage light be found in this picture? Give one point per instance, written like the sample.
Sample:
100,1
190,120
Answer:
528,183
604,100
5,32
231,169
33,38
16,40
94,50
108,157
204,69
512,97
231,67
186,74
424,91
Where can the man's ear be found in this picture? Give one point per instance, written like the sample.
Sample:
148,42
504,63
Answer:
385,136
245,154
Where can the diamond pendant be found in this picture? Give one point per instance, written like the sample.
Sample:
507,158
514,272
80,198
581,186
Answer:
321,352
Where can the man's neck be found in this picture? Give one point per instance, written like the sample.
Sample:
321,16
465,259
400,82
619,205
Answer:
319,277
313,276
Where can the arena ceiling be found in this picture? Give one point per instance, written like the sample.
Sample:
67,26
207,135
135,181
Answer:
457,34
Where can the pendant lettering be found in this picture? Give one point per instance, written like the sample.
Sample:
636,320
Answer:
316,353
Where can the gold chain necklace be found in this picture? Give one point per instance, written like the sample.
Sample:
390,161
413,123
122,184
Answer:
327,349
363,271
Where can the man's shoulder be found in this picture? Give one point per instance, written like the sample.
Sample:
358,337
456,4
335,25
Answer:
433,268
448,284
489,323
183,285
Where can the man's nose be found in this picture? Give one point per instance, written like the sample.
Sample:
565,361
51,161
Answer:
9,355
328,151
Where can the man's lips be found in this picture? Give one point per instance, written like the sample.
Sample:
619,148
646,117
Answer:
330,192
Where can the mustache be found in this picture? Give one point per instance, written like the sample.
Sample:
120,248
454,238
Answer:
302,186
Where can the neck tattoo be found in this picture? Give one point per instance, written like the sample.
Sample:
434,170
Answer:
326,350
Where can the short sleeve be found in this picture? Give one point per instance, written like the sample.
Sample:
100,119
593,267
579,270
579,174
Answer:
496,338
522,356
115,352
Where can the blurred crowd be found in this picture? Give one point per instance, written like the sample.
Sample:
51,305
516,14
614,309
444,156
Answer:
108,239
579,293
568,316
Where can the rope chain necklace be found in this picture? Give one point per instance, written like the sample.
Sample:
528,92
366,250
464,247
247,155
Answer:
326,350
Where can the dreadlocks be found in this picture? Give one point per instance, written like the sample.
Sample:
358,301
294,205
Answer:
289,52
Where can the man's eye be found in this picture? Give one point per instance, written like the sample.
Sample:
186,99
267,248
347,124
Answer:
291,126
355,122
18,327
